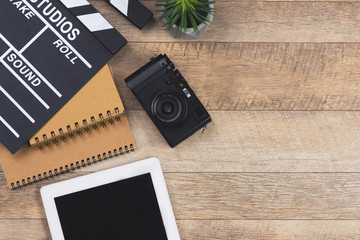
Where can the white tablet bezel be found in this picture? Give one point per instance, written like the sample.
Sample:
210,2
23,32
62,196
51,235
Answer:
151,165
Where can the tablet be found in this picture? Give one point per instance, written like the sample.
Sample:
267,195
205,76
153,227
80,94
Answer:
129,202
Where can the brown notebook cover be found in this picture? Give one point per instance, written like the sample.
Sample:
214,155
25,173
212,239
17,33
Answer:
98,128
30,164
95,102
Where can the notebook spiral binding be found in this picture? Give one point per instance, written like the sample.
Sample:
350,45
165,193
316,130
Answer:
77,129
73,166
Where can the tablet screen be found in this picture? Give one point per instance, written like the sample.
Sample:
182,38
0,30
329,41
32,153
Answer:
126,209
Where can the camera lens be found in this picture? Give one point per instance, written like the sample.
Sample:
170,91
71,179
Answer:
169,109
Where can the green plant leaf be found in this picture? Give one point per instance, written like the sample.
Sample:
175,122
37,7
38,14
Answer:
193,22
184,12
172,22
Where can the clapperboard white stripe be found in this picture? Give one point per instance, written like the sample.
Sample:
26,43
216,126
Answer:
57,34
9,127
16,104
96,24
12,48
75,3
29,64
5,54
34,39
121,5
25,85
133,10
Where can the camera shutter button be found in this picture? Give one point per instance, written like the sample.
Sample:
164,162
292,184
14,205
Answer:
187,93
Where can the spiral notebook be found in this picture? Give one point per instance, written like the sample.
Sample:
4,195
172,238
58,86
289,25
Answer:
99,139
97,102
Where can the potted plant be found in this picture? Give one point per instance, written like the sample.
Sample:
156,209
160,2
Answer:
186,18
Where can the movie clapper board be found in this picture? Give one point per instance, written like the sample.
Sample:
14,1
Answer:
133,10
48,51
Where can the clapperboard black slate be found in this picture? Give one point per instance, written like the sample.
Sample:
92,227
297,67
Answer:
133,10
46,55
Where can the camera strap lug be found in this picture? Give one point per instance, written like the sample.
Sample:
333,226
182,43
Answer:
204,128
153,57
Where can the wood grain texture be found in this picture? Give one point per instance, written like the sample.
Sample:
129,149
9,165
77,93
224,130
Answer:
24,229
264,229
29,229
255,76
229,196
252,21
253,141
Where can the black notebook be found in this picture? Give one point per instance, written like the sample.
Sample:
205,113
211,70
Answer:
48,51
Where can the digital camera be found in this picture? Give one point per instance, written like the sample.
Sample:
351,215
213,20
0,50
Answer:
168,100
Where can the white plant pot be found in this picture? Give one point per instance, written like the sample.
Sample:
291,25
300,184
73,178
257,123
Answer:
190,32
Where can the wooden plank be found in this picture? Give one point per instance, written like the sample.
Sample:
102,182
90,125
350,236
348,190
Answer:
30,229
24,229
273,229
265,196
249,21
255,76
230,196
253,142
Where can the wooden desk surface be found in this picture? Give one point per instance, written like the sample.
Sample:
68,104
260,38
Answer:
281,159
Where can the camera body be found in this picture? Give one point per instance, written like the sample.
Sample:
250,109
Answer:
168,100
